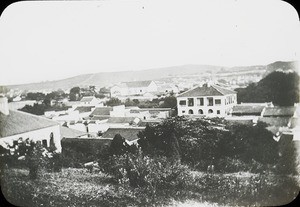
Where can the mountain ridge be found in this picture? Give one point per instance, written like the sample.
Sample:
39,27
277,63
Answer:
102,79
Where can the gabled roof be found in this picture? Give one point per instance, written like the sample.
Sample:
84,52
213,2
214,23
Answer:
121,120
279,111
84,109
18,122
129,134
247,110
100,118
70,133
213,90
87,98
100,111
138,84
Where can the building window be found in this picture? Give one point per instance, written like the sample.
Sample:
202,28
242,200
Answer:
200,111
210,111
182,103
218,101
218,111
200,102
44,142
141,90
191,111
210,101
190,102
52,140
183,112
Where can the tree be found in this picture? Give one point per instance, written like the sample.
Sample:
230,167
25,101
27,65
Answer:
113,102
74,94
278,87
169,102
118,145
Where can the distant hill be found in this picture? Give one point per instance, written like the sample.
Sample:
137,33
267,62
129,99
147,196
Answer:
280,87
107,78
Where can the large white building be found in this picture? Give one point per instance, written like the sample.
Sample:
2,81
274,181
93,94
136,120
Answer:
208,100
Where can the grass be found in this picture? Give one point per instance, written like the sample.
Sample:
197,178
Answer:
77,187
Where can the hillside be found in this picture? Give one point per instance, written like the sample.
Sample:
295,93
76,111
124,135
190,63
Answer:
108,78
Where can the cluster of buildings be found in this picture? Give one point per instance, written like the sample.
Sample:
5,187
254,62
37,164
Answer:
90,118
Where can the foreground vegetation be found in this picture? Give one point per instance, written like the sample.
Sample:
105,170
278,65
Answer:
180,160
78,187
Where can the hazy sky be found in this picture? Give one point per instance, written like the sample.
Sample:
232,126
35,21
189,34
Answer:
48,40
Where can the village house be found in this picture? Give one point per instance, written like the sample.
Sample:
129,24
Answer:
208,100
133,88
18,125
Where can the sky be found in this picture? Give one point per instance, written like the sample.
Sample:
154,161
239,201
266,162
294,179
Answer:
50,40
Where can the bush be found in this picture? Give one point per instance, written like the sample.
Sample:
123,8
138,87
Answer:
154,176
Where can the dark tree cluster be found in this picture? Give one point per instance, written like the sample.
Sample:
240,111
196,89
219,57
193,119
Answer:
278,87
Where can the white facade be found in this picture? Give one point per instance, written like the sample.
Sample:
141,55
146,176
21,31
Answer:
125,90
206,105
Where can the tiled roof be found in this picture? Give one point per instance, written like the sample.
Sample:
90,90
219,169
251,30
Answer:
87,98
121,119
100,111
213,90
70,133
129,134
17,122
279,111
138,84
247,110
84,109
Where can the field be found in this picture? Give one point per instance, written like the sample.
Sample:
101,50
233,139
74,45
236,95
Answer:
78,187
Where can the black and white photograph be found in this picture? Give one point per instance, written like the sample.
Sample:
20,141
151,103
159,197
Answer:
157,103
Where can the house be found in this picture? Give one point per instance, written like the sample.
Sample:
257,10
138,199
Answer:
208,100
130,133
133,88
279,111
16,125
89,100
84,111
247,110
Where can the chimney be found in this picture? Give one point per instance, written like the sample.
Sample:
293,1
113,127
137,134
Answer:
4,105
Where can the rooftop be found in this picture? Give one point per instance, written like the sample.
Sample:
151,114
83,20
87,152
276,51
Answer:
18,122
87,98
138,84
129,134
121,119
205,90
70,133
84,109
101,111
247,110
279,111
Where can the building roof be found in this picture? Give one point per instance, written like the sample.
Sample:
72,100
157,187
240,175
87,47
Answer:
87,98
138,84
205,90
18,122
84,109
275,121
247,110
129,134
70,133
279,111
101,111
121,119
100,118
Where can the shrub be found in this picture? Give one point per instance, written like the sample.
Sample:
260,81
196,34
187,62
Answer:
153,177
